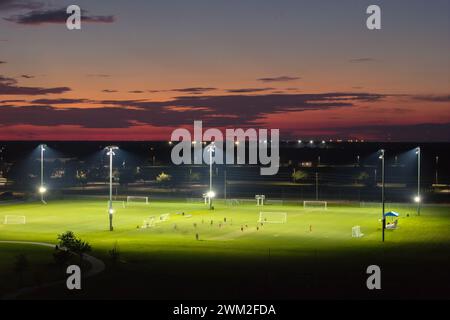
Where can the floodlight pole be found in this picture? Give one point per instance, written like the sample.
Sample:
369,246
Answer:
41,190
418,179
317,186
110,206
437,163
210,150
383,220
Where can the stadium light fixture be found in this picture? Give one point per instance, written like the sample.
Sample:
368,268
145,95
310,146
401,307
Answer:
383,219
311,141
210,194
110,153
417,199
42,188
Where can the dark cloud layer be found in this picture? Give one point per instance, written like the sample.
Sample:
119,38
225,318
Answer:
38,17
279,79
6,5
414,132
215,111
9,86
361,60
194,90
218,111
433,98
58,101
249,90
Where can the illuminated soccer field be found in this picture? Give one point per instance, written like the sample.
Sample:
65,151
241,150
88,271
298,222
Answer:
234,254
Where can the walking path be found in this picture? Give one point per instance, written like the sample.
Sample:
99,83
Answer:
97,266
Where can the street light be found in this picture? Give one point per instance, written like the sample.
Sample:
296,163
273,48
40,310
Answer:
42,188
383,220
111,153
211,148
418,199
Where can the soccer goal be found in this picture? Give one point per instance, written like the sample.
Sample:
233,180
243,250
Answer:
164,217
14,220
137,200
272,217
117,203
321,205
232,202
148,223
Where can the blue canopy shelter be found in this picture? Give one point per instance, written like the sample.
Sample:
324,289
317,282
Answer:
391,214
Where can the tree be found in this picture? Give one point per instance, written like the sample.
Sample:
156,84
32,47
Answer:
298,175
163,177
362,177
67,240
20,266
194,176
114,254
81,247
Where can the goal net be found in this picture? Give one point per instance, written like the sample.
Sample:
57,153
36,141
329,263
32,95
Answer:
153,221
322,205
14,220
148,223
164,217
232,202
137,200
272,217
117,203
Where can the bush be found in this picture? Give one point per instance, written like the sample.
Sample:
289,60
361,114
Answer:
114,254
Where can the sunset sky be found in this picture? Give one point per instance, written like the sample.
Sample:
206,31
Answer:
139,69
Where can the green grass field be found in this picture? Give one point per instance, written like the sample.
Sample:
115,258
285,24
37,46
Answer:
311,256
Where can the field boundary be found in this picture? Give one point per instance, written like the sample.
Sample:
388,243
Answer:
97,266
